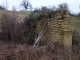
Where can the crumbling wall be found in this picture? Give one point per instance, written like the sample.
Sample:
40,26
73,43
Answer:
57,29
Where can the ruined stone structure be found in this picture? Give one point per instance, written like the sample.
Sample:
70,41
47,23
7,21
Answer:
57,29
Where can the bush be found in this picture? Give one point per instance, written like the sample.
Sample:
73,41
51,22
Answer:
75,38
14,31
8,23
29,29
11,28
2,8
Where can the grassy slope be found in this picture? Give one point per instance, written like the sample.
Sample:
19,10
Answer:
20,15
75,23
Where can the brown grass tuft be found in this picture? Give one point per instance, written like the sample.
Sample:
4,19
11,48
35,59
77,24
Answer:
52,51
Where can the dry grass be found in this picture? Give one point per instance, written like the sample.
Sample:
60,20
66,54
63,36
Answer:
20,15
53,51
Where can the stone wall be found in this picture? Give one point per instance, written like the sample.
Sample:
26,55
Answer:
57,29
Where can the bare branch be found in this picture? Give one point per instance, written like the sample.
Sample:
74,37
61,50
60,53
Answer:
37,41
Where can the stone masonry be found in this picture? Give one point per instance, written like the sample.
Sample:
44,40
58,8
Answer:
57,29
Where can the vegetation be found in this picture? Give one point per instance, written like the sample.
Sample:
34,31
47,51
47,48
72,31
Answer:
63,6
2,8
14,31
26,5
17,38
74,23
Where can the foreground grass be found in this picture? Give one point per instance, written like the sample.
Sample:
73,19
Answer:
52,51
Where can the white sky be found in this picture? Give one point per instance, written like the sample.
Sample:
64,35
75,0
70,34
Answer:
73,4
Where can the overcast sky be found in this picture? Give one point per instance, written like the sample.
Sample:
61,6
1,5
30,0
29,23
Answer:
73,4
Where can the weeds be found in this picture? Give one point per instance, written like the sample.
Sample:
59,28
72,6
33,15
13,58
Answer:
52,51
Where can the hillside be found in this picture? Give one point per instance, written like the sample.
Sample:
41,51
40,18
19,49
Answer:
21,15
74,23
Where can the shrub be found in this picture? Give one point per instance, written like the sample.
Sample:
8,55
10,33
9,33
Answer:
2,8
29,28
75,38
20,32
8,23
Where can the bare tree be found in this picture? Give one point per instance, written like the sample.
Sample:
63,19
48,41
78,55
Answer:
63,6
26,4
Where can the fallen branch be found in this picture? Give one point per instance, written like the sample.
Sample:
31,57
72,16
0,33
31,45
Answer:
37,41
